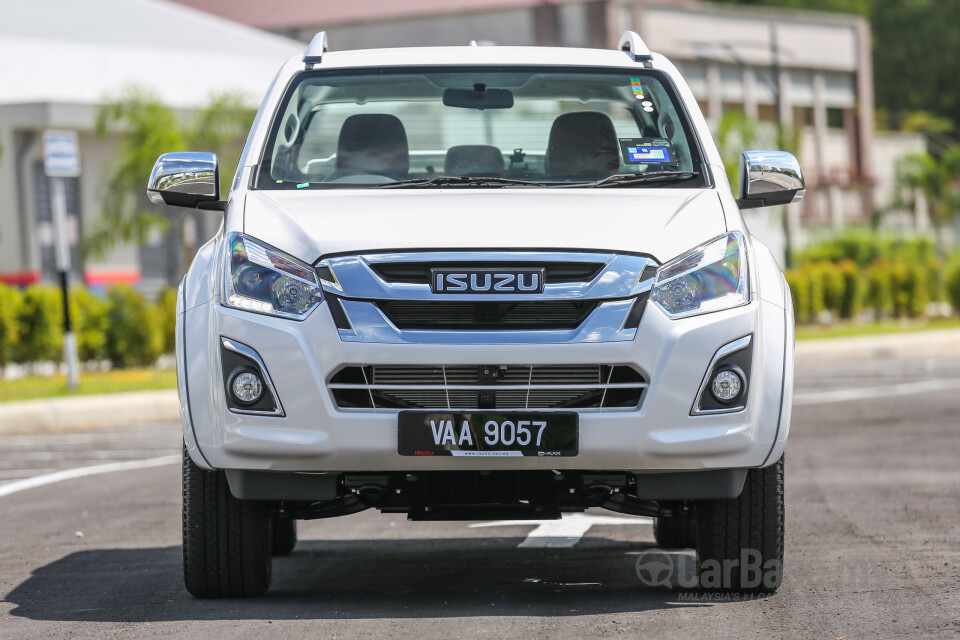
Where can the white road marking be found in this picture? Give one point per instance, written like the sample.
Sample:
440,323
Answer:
866,393
70,474
565,532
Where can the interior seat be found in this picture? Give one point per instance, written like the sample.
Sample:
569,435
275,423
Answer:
473,160
372,143
582,146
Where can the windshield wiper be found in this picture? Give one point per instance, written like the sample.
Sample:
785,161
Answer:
623,179
442,181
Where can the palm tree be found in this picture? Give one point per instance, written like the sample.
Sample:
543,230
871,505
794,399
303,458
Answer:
937,179
146,128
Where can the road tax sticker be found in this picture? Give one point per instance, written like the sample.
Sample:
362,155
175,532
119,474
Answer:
646,151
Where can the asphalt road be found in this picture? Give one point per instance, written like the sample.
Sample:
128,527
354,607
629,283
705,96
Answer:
873,543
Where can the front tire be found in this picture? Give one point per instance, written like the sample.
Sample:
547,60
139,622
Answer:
740,541
226,542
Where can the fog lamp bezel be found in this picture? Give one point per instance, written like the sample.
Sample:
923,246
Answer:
237,358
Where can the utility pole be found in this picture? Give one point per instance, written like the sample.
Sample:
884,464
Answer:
61,160
777,86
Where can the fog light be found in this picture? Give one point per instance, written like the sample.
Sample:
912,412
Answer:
726,385
247,387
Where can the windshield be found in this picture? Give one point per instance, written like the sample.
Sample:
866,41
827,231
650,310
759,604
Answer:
499,127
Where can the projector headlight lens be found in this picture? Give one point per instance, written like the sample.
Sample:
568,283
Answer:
712,277
262,279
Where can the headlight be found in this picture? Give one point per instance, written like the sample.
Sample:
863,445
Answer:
259,278
712,277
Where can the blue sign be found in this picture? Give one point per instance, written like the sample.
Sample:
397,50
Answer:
61,154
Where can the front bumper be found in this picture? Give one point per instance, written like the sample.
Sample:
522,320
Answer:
314,435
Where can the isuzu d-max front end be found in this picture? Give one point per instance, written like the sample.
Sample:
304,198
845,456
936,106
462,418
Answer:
481,282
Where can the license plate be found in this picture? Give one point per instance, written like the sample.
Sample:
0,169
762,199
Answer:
481,434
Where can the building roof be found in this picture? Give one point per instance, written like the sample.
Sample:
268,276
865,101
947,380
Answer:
79,51
285,14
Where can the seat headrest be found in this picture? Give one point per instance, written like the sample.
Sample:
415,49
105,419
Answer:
473,159
582,145
373,141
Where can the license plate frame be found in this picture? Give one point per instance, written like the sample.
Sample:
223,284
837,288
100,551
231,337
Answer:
468,434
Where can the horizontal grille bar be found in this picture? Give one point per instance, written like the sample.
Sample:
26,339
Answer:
419,272
546,314
488,387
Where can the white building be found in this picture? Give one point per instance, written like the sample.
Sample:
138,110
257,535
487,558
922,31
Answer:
62,58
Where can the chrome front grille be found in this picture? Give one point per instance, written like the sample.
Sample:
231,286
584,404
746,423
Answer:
389,298
596,386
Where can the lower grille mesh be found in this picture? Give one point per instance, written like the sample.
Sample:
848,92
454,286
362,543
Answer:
488,387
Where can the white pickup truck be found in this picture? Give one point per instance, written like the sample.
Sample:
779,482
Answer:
465,283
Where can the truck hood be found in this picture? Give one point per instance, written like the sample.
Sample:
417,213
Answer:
309,224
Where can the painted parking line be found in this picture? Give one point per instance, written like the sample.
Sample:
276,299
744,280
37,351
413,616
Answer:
867,393
565,532
71,474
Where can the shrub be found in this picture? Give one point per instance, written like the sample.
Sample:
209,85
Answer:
88,312
908,283
953,286
40,326
933,271
167,318
877,295
865,248
799,282
848,306
10,301
815,292
133,334
831,282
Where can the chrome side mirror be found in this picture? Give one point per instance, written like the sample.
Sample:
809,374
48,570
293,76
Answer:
769,178
186,179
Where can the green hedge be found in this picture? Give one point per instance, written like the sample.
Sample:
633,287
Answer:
123,327
898,288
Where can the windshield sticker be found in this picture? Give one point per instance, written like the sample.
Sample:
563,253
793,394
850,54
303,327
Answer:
648,154
303,185
637,87
646,151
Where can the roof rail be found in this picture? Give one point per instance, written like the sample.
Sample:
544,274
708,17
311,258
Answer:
315,50
632,43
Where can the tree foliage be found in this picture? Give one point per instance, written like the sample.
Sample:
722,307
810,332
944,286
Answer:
937,179
736,133
916,57
147,128
221,127
916,53
861,7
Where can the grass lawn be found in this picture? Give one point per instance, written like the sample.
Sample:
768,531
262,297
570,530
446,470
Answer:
90,383
850,329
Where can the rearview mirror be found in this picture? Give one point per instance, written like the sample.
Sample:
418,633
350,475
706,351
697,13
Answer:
769,178
478,98
186,179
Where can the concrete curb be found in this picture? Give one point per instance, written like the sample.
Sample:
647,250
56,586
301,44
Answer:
88,412
122,409
919,344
